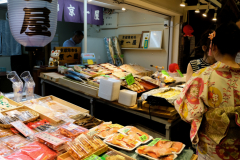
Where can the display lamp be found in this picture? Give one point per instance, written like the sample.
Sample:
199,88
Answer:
215,15
206,12
197,10
124,9
183,4
33,23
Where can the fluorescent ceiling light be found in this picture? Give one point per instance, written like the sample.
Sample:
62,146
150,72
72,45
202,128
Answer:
3,1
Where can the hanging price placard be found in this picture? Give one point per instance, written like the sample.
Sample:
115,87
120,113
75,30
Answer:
130,79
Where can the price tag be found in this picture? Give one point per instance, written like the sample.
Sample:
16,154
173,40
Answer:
122,78
115,125
120,137
105,75
90,62
122,56
1,97
180,73
93,157
50,138
91,133
165,73
130,79
126,130
143,138
134,142
21,127
154,142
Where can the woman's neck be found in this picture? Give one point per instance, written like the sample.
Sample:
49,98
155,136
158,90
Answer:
209,60
228,60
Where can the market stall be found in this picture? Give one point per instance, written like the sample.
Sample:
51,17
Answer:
53,128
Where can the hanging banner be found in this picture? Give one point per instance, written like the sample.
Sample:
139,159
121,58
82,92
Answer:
60,10
71,11
97,15
89,12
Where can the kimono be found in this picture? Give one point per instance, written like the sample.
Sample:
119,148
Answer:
210,102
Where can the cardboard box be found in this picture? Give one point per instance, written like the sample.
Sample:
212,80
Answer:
68,104
79,86
69,55
130,40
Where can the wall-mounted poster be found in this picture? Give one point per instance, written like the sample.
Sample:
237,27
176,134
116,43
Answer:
155,39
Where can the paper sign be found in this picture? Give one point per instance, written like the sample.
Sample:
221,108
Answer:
93,157
50,138
130,79
143,138
154,142
180,73
115,125
90,62
120,137
165,73
126,130
91,133
21,127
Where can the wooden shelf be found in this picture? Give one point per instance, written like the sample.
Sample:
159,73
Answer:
151,49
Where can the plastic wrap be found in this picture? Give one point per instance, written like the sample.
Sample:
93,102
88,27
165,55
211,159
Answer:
107,129
5,133
51,141
38,151
18,156
84,146
112,155
4,150
72,130
15,142
122,141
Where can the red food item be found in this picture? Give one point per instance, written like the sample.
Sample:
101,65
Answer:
38,151
188,30
18,156
173,67
177,146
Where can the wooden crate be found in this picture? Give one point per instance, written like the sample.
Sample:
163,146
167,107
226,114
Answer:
68,104
52,76
79,86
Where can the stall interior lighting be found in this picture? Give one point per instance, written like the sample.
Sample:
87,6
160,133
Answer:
124,9
206,12
183,4
3,1
197,10
215,15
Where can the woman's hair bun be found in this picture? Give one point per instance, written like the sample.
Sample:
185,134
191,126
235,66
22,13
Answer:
227,38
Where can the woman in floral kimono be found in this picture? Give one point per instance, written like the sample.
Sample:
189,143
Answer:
210,102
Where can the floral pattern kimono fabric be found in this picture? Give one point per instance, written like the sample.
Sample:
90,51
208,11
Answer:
210,102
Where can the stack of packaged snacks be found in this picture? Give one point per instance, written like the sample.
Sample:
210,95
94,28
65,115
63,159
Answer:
71,130
84,145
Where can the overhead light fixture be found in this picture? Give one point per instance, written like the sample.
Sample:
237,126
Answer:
183,4
124,9
206,12
215,15
198,6
3,1
89,0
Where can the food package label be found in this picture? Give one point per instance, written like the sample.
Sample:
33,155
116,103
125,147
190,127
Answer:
50,138
88,59
21,127
154,141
